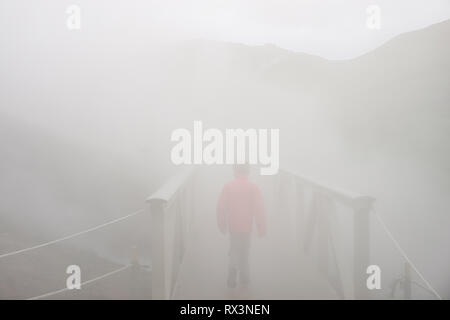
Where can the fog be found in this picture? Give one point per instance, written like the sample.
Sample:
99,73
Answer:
86,118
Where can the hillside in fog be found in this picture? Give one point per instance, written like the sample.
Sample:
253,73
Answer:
398,90
104,144
391,101
376,124
45,177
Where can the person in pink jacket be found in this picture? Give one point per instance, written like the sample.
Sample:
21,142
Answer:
239,208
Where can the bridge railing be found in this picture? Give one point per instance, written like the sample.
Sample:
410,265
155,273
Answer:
172,211
333,227
402,278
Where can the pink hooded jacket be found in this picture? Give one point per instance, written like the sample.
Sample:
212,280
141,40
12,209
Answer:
240,204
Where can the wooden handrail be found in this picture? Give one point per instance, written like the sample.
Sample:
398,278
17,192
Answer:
344,197
360,207
169,189
169,215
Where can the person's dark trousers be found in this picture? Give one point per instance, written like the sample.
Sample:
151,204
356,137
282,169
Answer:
239,259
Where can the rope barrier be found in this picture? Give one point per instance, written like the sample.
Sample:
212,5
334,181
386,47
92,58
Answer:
382,223
405,256
45,295
70,236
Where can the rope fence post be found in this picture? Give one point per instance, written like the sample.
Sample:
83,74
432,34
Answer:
411,266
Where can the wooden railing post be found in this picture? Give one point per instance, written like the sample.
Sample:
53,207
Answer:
361,245
159,285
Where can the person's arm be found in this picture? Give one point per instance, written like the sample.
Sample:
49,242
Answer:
221,210
260,216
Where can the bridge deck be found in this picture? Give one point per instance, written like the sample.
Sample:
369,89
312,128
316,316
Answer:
279,270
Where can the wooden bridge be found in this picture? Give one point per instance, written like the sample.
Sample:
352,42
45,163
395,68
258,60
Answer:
298,259
319,244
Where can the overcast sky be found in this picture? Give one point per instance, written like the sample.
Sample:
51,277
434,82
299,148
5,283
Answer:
335,29
331,28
